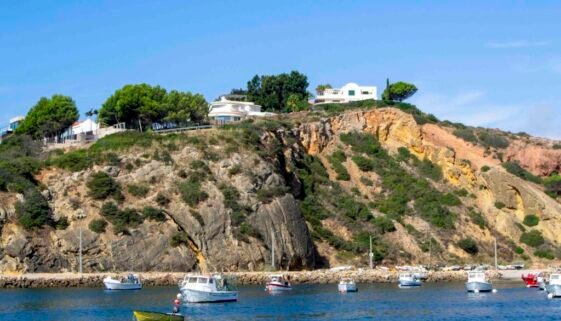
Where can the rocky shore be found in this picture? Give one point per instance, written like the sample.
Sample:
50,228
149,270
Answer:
62,280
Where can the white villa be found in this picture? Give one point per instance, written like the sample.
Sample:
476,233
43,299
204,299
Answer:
225,110
349,92
87,127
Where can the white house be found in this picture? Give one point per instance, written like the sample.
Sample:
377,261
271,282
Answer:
349,92
87,127
225,110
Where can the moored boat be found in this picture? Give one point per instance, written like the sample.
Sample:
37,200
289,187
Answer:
157,316
478,282
347,285
131,282
278,282
207,289
542,281
531,280
553,288
409,280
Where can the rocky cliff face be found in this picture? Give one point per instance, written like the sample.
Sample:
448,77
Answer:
260,176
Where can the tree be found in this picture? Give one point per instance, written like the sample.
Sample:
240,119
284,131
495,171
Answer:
34,211
180,107
322,87
49,117
398,91
272,91
295,103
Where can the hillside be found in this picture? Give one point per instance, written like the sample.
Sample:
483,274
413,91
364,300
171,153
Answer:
322,182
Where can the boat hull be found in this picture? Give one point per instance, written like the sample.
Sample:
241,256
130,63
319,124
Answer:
196,296
479,287
554,290
122,286
277,287
409,283
157,316
343,288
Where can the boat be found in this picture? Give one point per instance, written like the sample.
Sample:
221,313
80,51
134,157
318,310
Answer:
278,282
531,280
542,281
553,288
157,316
478,282
207,289
131,282
347,285
409,280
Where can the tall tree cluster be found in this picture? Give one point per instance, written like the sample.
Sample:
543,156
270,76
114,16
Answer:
49,117
398,91
142,104
272,92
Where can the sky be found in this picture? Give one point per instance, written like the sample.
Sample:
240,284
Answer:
483,63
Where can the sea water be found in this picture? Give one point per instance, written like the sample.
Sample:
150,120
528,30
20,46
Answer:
442,301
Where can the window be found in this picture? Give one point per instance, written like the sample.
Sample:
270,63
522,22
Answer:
202,280
192,280
365,93
351,92
211,281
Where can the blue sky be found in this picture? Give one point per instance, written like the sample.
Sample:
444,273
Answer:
485,63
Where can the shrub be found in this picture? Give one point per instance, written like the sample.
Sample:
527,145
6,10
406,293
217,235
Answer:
138,190
231,196
450,199
191,193
518,250
366,181
249,230
531,220
362,143
466,134
162,199
430,170
515,169
339,155
338,167
469,246
552,185
352,209
491,139
485,168
74,161
461,192
363,163
112,159
500,205
266,195
98,225
153,214
179,238
545,254
34,211
62,223
384,224
403,154
120,219
478,219
556,146
235,170
532,238
101,186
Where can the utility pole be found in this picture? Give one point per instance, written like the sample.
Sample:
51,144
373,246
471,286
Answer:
273,249
370,254
430,251
496,265
80,258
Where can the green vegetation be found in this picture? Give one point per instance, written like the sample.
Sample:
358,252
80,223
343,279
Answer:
398,91
98,225
532,238
153,214
141,105
552,185
273,91
518,250
545,254
235,170
469,246
191,192
485,168
466,134
34,211
178,239
531,220
267,194
384,224
162,199
49,117
366,181
515,169
491,139
121,219
500,205
336,162
478,219
101,186
429,169
138,190
62,223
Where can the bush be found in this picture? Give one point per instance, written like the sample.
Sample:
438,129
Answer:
491,139
338,167
153,214
518,250
466,134
62,223
98,225
366,181
384,224
362,143
461,192
162,199
191,193
34,212
179,238
74,161
101,186
545,254
266,195
469,246
515,169
363,163
430,170
138,190
532,238
485,168
552,185
120,219
500,205
235,170
531,220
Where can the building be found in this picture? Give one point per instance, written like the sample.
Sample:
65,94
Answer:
225,110
349,92
14,123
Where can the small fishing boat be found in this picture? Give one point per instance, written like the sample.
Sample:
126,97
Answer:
531,280
131,282
542,281
207,289
409,280
347,285
553,288
157,316
278,282
478,282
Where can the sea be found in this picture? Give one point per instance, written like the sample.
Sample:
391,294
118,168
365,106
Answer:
432,301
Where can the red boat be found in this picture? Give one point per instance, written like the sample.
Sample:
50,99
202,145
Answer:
531,280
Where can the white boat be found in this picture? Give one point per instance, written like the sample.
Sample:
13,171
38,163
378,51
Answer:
131,282
542,281
207,289
478,282
347,285
553,288
409,280
278,282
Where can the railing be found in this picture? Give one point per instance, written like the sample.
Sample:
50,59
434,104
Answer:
182,129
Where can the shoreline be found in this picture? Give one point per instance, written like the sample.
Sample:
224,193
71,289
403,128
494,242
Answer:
93,280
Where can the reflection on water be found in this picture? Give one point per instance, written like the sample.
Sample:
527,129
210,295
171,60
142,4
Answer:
445,301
